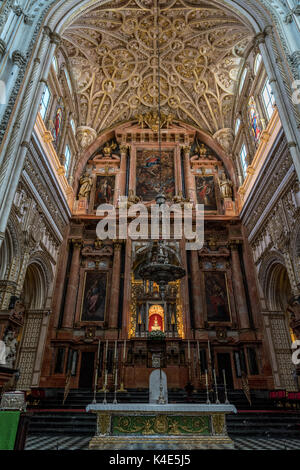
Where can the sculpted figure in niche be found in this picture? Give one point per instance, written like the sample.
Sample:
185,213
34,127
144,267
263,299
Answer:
294,310
85,186
11,348
2,353
225,186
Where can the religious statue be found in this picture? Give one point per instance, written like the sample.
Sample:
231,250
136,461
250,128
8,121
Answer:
11,348
2,353
132,198
108,148
225,186
85,186
153,120
202,150
155,326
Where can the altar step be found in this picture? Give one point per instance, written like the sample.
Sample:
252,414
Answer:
244,424
78,399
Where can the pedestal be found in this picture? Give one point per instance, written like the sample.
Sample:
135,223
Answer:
161,427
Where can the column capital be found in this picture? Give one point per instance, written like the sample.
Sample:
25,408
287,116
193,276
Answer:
117,245
233,244
77,242
124,148
186,149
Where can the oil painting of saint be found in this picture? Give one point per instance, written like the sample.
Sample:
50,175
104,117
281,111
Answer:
104,192
205,188
254,120
153,169
217,303
94,297
57,124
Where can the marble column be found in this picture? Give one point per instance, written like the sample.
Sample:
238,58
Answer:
122,179
72,286
115,287
188,176
196,289
238,285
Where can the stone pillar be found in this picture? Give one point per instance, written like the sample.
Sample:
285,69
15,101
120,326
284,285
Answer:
72,286
238,286
115,287
196,289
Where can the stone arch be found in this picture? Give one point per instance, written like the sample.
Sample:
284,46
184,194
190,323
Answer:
269,270
38,276
34,287
109,134
10,252
6,254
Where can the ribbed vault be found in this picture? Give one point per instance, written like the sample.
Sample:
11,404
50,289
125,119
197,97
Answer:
112,53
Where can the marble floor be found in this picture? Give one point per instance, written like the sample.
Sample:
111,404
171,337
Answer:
57,442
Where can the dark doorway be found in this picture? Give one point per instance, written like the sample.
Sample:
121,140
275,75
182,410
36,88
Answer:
224,363
87,370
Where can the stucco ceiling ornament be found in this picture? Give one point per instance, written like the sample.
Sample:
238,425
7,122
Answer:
114,59
85,136
225,138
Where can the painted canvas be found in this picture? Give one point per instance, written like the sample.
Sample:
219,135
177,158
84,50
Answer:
57,124
94,297
217,303
254,120
205,188
149,169
104,191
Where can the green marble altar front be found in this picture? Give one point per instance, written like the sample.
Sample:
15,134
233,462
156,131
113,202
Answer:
161,427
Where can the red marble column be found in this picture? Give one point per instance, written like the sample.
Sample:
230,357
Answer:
239,291
196,289
72,286
115,287
122,180
188,176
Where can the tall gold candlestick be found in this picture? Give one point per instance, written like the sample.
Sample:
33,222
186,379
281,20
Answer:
207,392
216,387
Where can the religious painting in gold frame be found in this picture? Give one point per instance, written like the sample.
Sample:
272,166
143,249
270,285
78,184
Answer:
217,298
206,193
104,190
153,171
94,298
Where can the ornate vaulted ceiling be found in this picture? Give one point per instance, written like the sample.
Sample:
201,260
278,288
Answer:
112,52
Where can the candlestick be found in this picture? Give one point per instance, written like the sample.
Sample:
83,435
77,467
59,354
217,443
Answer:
189,350
225,387
116,385
209,354
199,359
105,383
207,392
115,349
96,374
106,351
216,388
124,350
